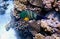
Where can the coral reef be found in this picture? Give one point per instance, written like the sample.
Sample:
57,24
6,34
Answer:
30,21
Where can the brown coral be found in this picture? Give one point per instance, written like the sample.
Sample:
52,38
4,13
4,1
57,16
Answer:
39,36
45,25
19,6
35,26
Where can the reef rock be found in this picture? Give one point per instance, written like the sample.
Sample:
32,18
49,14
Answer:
45,25
39,36
49,37
35,26
22,1
19,6
36,2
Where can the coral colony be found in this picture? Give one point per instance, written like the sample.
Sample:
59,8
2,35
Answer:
35,19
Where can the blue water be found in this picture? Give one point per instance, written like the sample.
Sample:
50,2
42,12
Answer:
4,20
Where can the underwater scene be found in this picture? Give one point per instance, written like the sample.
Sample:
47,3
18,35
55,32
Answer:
29,19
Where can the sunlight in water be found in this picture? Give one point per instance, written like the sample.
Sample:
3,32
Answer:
5,19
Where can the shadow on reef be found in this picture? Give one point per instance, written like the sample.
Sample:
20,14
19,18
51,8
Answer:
24,34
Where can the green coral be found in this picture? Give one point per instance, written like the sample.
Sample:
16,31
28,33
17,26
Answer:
28,13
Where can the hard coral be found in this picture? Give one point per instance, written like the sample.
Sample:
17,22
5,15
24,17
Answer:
39,36
19,6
